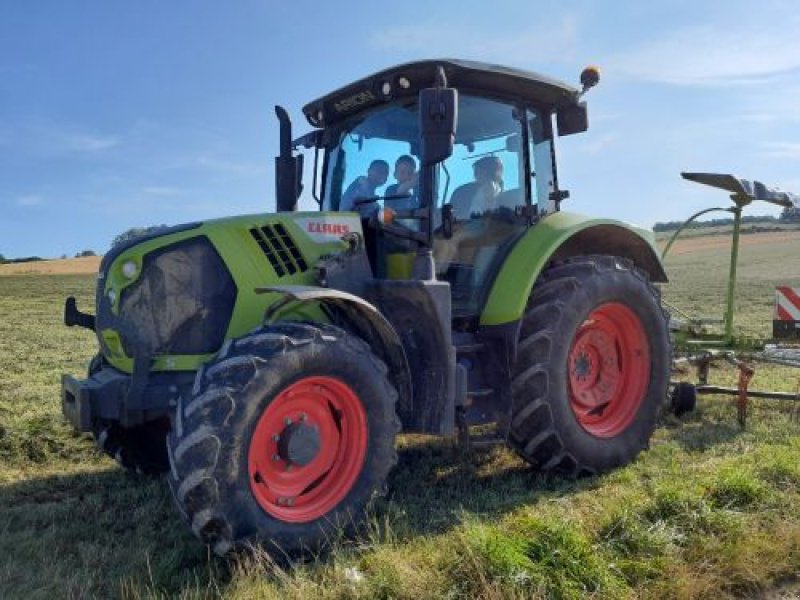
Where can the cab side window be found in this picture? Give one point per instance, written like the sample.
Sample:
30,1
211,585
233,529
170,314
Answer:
541,153
484,182
484,172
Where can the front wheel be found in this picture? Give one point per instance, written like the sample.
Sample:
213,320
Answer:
593,367
285,438
138,449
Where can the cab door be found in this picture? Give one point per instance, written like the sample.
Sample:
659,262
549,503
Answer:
489,186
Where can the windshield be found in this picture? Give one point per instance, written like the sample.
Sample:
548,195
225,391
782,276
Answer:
376,156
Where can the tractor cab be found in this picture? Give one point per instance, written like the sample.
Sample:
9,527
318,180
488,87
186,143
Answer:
497,177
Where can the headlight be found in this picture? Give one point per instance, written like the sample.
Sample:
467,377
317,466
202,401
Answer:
129,269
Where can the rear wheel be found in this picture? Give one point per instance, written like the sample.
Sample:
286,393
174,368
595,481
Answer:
285,438
592,369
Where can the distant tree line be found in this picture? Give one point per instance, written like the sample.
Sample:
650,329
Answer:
4,260
24,259
673,225
135,232
789,215
125,236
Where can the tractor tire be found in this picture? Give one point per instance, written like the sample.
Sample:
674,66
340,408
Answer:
592,369
286,437
683,398
138,449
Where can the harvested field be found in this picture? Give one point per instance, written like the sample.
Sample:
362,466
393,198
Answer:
65,266
723,241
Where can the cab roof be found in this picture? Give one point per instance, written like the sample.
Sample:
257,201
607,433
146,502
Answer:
468,76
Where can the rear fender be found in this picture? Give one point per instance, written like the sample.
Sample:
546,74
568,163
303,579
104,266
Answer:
556,237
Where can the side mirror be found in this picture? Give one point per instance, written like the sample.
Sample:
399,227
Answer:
438,115
298,177
514,143
572,118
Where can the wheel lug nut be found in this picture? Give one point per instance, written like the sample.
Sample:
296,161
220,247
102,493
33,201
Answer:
287,421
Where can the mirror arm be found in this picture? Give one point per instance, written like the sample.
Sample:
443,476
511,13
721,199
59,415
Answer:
314,190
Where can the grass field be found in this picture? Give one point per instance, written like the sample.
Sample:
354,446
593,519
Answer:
710,511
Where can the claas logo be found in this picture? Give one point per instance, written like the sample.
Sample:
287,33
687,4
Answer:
329,228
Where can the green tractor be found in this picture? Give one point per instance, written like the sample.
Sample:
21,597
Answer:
268,362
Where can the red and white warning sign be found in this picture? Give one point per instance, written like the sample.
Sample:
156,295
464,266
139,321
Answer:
787,304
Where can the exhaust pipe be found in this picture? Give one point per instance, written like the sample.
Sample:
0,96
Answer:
288,168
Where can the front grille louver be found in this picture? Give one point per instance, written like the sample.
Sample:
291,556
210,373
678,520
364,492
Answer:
280,249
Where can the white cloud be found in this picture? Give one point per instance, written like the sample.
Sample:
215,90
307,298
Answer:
599,144
53,139
545,42
84,142
746,52
781,150
779,105
227,166
29,200
157,190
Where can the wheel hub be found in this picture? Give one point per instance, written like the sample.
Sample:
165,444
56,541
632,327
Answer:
609,367
299,444
585,363
307,450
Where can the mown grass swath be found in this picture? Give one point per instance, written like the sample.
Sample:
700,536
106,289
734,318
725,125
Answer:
710,511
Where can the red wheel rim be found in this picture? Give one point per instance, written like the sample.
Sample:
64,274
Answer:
609,369
291,477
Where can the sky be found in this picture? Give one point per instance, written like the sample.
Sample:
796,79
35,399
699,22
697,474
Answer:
126,114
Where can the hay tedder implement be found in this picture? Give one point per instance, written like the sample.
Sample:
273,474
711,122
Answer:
695,342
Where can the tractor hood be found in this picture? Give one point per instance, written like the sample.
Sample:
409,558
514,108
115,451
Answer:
176,295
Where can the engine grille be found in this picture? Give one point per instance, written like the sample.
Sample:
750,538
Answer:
181,303
280,249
